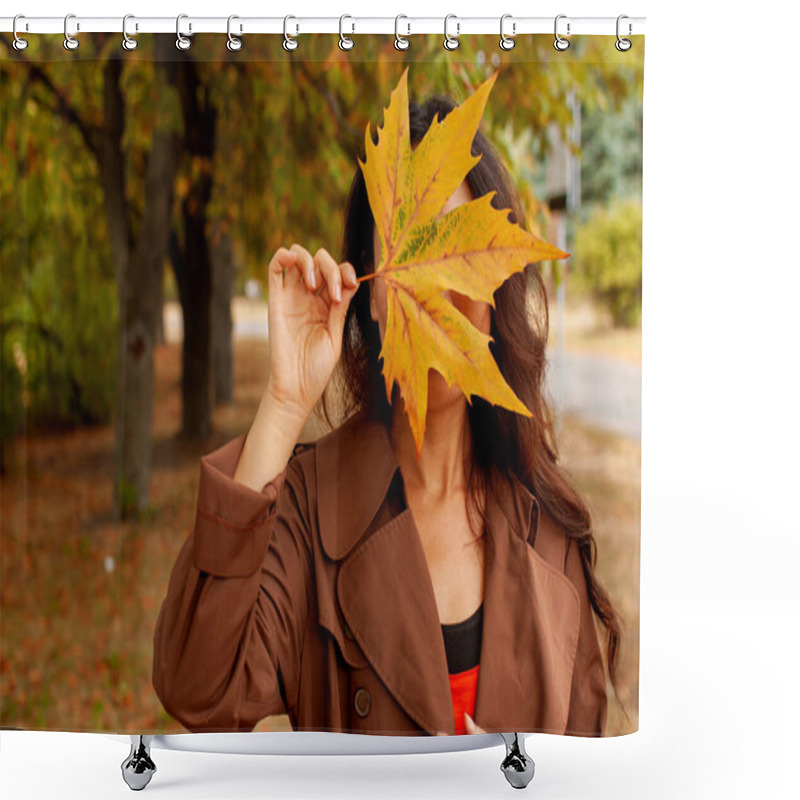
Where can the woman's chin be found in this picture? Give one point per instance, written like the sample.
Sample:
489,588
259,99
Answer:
440,395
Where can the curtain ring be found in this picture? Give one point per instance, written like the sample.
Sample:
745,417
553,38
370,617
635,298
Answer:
19,43
289,42
127,42
182,42
560,43
234,43
450,42
345,42
623,45
400,42
506,42
70,42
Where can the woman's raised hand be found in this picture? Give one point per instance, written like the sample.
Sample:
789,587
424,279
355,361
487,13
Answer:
308,301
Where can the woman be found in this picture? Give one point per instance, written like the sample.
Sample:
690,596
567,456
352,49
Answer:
358,588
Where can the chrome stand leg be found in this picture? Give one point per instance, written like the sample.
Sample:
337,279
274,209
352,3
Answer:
138,768
517,766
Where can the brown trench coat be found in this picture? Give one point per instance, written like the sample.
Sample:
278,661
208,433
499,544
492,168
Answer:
313,597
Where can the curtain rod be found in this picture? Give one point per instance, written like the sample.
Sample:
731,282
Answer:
349,25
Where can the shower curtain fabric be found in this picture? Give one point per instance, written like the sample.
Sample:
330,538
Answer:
145,586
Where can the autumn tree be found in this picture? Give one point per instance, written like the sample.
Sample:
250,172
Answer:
137,234
206,158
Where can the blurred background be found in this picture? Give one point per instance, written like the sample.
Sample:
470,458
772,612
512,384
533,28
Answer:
141,198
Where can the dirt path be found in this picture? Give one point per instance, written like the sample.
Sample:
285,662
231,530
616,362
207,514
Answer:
603,392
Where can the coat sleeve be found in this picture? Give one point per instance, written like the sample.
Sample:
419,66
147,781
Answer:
589,699
228,637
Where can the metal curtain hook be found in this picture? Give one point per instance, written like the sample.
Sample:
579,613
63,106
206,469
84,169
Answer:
345,42
19,43
182,42
451,42
400,42
289,42
70,42
127,42
623,45
560,43
234,42
506,42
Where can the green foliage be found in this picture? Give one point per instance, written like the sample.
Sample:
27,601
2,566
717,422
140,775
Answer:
607,260
287,152
287,135
611,152
58,302
12,412
59,353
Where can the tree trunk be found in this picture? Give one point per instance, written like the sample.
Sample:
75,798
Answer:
196,379
200,117
160,333
222,272
139,271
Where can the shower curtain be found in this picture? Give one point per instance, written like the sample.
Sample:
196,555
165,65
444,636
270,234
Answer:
259,308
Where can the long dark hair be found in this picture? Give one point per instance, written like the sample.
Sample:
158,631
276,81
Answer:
502,441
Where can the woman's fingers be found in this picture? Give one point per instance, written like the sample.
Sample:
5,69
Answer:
331,273
338,311
308,268
283,261
321,275
471,725
337,276
349,275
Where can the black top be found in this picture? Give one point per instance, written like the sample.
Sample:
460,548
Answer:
462,642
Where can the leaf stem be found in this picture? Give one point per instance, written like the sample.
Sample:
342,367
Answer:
366,277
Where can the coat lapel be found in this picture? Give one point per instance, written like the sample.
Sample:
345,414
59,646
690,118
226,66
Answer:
355,465
531,620
387,598
385,593
383,585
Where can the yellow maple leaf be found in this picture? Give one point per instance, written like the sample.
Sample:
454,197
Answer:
472,250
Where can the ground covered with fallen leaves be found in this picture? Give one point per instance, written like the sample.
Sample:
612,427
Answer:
80,593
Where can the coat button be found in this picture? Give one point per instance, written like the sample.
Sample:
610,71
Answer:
363,701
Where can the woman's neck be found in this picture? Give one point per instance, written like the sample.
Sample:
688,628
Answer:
447,444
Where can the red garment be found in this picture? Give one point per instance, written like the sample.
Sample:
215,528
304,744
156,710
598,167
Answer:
463,687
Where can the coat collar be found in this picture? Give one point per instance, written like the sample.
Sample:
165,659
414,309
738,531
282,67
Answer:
360,455
356,464
531,609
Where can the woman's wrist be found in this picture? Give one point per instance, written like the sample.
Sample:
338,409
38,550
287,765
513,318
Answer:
269,442
279,407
